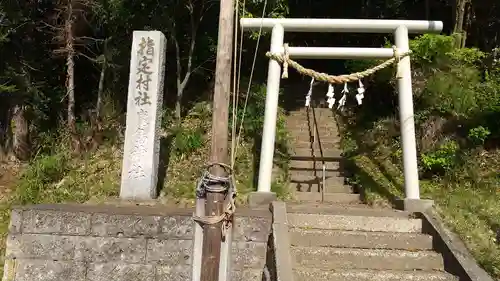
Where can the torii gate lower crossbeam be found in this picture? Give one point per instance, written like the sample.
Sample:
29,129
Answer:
400,29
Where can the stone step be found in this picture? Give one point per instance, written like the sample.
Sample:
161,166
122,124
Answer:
243,275
327,197
331,151
315,173
309,128
358,239
325,144
311,165
307,180
316,154
345,210
378,259
306,136
308,274
318,112
355,223
303,122
317,188
307,125
324,137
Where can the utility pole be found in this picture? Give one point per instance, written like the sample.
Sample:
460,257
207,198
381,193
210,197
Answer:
214,202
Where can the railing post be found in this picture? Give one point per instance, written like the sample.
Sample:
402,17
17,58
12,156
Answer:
412,189
272,93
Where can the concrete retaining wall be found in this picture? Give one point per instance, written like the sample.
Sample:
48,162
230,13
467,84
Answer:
108,243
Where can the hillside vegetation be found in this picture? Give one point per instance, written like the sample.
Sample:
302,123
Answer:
457,115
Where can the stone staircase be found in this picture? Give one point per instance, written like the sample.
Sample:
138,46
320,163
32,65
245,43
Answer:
316,157
333,236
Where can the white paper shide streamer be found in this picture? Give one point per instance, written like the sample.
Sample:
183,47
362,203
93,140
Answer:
361,93
330,96
343,98
309,94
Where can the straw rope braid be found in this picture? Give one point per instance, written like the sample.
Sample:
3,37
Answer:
332,79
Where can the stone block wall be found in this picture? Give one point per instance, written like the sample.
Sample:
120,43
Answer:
109,243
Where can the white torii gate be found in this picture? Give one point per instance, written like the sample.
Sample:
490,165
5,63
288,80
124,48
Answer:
400,28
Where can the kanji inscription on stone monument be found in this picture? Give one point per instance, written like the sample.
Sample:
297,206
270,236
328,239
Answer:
145,97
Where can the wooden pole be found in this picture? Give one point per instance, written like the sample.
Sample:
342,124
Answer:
220,118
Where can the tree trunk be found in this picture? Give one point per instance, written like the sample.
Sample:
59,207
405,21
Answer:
100,90
70,78
20,133
459,21
178,107
5,131
468,22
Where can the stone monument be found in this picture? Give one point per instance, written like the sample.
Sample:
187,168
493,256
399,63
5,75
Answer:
142,134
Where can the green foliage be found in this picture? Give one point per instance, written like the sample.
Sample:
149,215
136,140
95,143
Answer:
454,84
431,49
442,159
7,89
43,171
478,135
188,140
438,51
468,56
454,92
253,121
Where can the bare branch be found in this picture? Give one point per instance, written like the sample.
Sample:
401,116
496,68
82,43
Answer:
87,57
51,26
29,66
200,66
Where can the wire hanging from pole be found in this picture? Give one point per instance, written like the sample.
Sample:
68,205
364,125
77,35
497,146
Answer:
240,131
236,93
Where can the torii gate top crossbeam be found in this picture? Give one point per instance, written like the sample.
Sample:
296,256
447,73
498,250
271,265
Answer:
342,25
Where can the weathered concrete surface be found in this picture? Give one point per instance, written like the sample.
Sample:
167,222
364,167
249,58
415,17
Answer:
316,187
261,199
414,205
378,259
307,164
355,223
359,239
344,210
279,262
327,197
316,177
370,275
94,243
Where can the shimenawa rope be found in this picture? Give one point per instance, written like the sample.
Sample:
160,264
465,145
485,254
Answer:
332,79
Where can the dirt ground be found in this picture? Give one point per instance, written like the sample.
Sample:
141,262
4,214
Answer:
9,174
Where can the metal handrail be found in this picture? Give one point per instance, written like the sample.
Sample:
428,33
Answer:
316,131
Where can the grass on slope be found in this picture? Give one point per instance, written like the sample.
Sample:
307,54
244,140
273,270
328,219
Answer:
467,200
